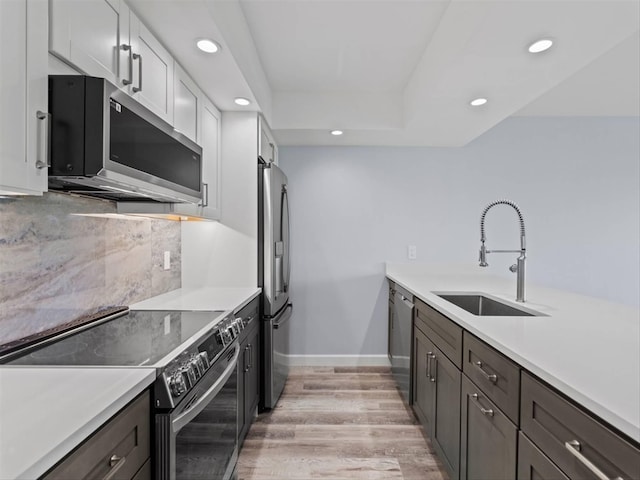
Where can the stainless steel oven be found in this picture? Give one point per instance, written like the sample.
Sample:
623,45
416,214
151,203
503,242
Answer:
195,394
198,439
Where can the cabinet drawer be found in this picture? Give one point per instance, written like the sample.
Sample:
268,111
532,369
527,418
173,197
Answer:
250,310
535,465
554,424
126,436
392,290
444,333
488,439
249,315
496,375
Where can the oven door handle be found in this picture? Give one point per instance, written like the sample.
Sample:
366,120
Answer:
185,417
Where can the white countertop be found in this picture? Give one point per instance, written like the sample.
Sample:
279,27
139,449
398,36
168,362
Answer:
205,298
587,348
45,412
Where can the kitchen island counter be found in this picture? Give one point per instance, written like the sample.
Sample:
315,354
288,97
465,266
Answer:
205,298
45,412
587,348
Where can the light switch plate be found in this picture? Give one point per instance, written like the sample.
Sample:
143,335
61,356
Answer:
412,252
167,260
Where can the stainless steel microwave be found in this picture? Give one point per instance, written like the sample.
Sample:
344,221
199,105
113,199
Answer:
105,144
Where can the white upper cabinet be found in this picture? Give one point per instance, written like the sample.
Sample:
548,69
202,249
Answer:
152,69
104,38
23,97
210,141
87,34
267,148
186,105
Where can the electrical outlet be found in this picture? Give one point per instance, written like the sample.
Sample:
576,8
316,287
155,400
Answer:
412,252
167,260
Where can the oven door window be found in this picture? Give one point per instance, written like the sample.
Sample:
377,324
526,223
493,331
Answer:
206,446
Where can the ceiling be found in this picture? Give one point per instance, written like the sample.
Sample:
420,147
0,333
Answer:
402,72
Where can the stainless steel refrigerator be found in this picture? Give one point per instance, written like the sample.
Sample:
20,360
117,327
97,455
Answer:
274,273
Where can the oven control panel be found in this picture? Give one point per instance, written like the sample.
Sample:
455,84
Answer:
183,373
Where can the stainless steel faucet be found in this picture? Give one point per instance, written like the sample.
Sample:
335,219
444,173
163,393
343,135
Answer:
516,268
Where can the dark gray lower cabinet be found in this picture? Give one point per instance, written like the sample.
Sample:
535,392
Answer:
121,447
437,394
535,465
473,417
576,442
488,439
422,385
445,433
248,370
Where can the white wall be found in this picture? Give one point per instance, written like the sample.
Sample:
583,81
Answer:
225,254
576,181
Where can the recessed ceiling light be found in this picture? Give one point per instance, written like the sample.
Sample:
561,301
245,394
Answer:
478,101
243,102
540,45
336,132
208,46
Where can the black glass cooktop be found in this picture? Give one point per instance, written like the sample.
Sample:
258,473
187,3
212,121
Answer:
135,339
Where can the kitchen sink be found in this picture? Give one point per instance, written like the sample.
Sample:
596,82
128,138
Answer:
484,306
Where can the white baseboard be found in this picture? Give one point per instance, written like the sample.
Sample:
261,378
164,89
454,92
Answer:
338,360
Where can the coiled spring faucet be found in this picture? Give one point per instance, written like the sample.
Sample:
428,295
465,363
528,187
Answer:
516,268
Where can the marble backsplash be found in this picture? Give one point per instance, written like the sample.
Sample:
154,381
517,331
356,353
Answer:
61,255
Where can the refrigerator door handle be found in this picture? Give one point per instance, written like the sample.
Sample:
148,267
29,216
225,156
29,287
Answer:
284,317
287,252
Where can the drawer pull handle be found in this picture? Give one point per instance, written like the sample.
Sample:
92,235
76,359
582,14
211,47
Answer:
484,411
574,448
491,377
116,463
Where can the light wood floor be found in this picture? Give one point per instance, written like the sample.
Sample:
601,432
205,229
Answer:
338,423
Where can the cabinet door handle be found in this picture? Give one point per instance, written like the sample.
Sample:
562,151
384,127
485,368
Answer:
491,377
250,355
137,56
43,144
127,48
429,365
116,464
574,448
485,411
433,372
248,364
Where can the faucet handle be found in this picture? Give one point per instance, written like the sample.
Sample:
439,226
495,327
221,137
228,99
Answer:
483,256
513,268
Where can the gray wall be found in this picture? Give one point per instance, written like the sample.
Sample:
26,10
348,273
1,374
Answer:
576,181
55,261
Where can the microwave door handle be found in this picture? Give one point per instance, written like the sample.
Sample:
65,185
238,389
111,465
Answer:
205,196
185,417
